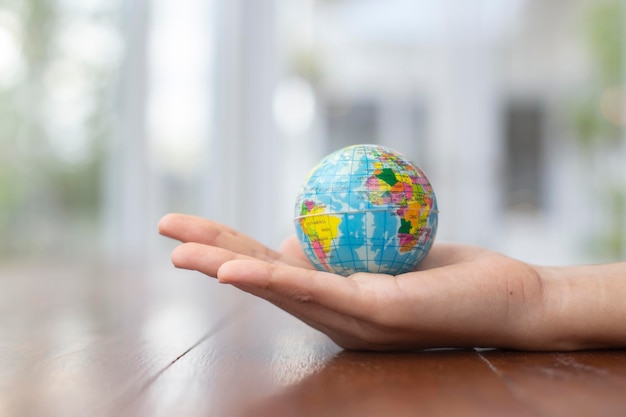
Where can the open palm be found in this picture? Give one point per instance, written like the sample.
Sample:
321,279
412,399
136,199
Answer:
461,296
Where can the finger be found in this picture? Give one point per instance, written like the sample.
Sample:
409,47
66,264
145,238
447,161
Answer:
202,258
303,286
208,259
196,229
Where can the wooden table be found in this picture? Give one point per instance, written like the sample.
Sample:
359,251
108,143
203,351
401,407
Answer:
90,340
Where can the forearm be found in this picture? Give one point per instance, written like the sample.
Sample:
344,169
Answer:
584,306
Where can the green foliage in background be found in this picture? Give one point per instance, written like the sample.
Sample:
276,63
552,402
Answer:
47,203
605,36
604,33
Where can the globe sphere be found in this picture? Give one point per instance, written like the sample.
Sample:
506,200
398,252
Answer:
366,208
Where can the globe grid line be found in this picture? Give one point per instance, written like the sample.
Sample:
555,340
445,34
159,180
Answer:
349,194
367,232
351,212
342,263
333,242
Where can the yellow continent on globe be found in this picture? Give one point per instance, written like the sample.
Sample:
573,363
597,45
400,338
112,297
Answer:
321,229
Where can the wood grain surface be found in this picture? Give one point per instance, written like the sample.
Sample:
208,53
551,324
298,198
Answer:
148,340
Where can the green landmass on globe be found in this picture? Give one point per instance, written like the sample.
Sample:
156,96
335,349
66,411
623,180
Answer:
366,208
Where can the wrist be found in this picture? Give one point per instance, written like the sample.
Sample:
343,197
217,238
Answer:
582,307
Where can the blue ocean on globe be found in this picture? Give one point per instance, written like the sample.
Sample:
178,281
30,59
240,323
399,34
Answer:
366,208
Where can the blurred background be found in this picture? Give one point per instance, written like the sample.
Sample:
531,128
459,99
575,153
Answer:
115,112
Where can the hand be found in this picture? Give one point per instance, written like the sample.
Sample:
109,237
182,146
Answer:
461,296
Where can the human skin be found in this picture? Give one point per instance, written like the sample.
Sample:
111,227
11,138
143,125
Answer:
461,295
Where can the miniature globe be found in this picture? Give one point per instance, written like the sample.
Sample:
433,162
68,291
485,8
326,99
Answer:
366,208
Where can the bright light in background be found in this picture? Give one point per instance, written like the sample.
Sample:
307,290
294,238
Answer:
10,56
85,49
92,43
419,21
82,6
294,106
179,68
